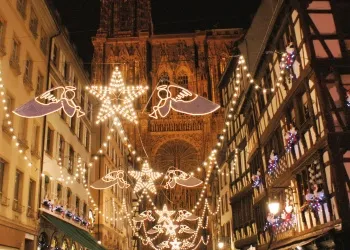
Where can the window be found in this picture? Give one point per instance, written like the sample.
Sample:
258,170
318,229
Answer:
81,131
66,71
33,24
182,80
47,187
31,194
2,174
89,111
55,55
303,108
35,138
164,78
49,141
43,42
86,173
77,205
226,202
82,99
71,160
222,206
2,33
59,192
21,7
88,141
61,145
84,211
23,128
16,45
69,194
39,84
17,190
73,122
28,70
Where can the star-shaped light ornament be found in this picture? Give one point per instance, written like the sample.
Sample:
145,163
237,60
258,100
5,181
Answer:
117,98
145,178
175,244
164,215
170,228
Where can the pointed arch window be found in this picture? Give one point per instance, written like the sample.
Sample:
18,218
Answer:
182,79
164,77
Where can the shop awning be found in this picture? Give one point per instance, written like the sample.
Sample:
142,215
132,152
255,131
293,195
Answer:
76,234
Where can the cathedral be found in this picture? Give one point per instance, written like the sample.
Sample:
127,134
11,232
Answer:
194,61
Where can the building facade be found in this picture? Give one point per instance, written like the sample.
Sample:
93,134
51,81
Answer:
25,28
288,96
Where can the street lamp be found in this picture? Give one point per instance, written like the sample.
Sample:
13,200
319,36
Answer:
221,245
274,207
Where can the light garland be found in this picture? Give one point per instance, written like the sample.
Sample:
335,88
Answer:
211,159
7,123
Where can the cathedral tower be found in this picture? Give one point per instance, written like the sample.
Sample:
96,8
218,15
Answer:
125,17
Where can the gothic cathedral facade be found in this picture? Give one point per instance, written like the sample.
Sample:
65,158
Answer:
194,61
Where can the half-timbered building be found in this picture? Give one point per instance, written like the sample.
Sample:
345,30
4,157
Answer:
290,126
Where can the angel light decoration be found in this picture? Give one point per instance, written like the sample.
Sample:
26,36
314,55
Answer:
51,101
174,97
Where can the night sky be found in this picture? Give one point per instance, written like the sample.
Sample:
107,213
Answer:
81,17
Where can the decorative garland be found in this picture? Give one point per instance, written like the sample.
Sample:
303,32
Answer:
291,138
66,214
273,163
283,222
256,178
313,202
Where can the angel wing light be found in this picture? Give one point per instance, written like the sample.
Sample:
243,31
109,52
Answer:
49,102
185,215
110,179
195,105
181,178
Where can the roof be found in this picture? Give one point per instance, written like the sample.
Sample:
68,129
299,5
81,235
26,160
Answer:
257,35
76,234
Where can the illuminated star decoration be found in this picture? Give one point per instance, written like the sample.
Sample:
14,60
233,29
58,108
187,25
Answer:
49,102
145,178
117,98
165,214
175,244
170,228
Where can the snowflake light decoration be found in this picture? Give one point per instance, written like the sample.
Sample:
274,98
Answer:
145,178
117,98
